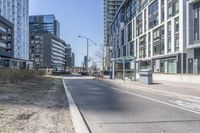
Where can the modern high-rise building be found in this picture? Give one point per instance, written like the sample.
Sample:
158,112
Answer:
73,59
17,12
110,9
44,24
47,51
68,56
6,41
159,34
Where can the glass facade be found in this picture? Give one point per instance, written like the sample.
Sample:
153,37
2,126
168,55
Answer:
154,29
158,41
110,9
153,14
17,12
44,24
196,10
173,8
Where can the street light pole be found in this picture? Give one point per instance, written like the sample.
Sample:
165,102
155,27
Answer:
87,49
87,55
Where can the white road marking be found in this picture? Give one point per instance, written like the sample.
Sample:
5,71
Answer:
145,97
192,106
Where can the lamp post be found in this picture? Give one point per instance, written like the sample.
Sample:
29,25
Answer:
111,70
88,40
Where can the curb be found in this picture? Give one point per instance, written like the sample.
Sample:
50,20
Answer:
79,124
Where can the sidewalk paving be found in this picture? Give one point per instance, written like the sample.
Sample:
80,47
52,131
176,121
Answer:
190,89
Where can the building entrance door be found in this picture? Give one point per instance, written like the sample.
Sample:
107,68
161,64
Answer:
198,66
190,66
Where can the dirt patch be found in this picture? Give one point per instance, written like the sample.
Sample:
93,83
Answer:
25,116
37,106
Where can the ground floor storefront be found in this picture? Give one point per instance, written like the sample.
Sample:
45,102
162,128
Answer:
171,64
193,61
180,63
15,63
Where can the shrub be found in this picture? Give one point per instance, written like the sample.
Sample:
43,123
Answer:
14,75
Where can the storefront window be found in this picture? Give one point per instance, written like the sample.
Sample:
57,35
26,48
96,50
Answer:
190,66
170,66
198,66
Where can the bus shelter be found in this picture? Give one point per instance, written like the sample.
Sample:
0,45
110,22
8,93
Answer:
124,68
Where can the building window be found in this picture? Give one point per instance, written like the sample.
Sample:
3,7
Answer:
142,47
132,49
133,29
170,8
196,10
169,28
149,45
169,40
177,43
145,20
153,14
136,45
158,41
176,3
118,52
139,25
169,45
162,10
177,25
173,7
129,32
176,34
122,37
124,50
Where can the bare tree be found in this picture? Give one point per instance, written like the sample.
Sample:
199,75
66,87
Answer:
100,56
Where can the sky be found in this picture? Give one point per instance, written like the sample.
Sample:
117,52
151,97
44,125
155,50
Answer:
76,17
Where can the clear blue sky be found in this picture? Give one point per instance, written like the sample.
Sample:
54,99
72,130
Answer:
77,17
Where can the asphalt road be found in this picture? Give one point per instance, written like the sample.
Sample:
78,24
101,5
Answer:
111,108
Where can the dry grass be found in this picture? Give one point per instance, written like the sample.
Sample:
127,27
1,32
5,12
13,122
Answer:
34,106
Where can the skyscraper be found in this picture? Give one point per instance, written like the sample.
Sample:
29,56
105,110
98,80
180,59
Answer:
110,9
17,12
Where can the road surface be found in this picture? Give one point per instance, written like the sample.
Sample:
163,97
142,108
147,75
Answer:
112,108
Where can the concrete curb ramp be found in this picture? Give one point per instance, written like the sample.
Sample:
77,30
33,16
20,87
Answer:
78,122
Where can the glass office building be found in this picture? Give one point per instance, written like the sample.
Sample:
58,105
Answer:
152,32
44,24
17,12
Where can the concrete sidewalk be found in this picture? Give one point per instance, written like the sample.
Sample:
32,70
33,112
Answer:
189,89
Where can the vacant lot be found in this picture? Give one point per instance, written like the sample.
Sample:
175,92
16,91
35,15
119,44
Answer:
36,106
